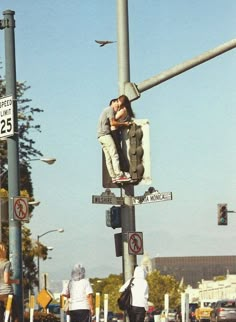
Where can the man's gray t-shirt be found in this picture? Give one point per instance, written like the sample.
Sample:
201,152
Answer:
5,267
104,126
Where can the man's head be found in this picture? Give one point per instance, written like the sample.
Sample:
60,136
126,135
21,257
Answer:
114,104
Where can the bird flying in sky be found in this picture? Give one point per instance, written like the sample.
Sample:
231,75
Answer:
104,42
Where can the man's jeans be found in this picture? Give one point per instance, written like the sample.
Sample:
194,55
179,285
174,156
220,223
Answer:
111,155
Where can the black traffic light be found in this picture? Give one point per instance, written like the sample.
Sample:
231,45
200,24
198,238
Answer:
136,152
222,214
113,217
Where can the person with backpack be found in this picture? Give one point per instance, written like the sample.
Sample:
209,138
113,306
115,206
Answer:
139,295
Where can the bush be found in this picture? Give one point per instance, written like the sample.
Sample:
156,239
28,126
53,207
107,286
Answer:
41,317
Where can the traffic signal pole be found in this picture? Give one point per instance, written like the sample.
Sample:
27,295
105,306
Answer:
127,212
134,90
15,243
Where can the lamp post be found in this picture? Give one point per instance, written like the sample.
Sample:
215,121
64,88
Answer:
46,160
60,230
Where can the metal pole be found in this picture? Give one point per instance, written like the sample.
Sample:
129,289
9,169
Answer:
15,244
127,212
38,266
60,230
134,90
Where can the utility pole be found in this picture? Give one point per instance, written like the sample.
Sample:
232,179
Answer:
127,212
133,91
15,243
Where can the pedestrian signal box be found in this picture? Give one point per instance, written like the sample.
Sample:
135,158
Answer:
113,217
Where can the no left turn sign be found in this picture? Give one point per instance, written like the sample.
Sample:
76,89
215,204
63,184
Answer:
135,243
20,207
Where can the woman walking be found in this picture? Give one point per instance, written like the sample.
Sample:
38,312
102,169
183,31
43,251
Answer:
6,284
80,293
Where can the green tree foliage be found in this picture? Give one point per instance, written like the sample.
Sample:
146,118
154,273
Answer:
27,151
26,125
159,285
109,285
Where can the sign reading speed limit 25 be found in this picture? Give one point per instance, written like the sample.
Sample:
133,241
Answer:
6,117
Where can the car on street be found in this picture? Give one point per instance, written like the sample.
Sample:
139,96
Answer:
171,315
202,313
54,309
223,311
110,316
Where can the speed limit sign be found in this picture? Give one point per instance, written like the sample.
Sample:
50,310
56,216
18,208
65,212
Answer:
6,117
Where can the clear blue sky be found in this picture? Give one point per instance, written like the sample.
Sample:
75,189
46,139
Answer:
192,123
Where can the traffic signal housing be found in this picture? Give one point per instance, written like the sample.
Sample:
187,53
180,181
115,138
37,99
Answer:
222,214
113,217
139,151
136,149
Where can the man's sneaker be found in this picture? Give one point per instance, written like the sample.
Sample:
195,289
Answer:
127,174
113,180
122,179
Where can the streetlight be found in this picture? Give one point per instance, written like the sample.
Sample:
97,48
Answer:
34,203
46,160
60,230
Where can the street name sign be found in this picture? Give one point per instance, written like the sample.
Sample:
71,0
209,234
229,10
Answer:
152,197
6,117
108,198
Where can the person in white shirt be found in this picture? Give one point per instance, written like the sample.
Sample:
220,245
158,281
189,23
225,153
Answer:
139,291
80,293
6,284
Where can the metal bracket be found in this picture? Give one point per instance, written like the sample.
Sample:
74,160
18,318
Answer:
5,23
1,24
131,90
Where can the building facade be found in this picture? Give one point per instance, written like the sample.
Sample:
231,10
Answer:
193,269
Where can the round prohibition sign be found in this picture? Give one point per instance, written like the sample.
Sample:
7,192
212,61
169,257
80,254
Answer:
136,243
20,208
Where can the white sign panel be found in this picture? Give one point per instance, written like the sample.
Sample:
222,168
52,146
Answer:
152,197
135,242
6,117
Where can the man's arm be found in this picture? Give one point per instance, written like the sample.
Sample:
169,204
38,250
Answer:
115,123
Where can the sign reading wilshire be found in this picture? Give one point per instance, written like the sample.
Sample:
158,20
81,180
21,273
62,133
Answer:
108,198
